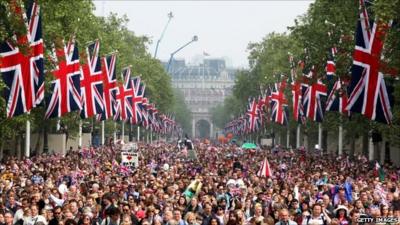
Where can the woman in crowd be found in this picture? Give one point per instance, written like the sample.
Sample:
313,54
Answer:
220,187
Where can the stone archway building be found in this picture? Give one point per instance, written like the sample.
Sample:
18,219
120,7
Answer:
204,86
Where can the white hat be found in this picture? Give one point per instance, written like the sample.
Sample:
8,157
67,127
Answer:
166,167
341,207
231,182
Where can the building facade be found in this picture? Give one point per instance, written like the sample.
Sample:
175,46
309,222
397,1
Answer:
204,87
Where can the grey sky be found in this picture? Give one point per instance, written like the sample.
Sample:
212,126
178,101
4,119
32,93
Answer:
224,28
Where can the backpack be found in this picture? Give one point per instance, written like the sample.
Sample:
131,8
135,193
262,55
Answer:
323,219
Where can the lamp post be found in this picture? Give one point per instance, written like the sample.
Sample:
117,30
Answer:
195,38
170,16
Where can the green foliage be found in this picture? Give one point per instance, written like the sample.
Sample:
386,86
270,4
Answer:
60,20
223,113
181,111
268,59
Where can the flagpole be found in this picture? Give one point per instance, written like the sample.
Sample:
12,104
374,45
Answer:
298,136
320,135
80,134
102,132
58,124
123,131
370,147
138,133
287,137
340,139
27,139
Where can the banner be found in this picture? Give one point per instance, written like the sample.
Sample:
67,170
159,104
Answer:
130,159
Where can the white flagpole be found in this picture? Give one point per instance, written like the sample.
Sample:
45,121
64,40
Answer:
80,133
287,137
370,147
28,139
138,133
298,136
320,135
102,132
58,124
340,139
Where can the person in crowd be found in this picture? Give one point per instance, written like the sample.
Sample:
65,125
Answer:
284,218
221,186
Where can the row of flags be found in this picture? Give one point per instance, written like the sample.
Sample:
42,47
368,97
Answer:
365,93
91,88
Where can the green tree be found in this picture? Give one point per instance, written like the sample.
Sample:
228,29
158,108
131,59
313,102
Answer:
182,113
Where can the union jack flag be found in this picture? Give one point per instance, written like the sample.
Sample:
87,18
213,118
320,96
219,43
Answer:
92,83
124,96
138,95
297,93
337,99
312,102
252,115
109,86
154,123
22,71
261,103
279,103
144,113
66,95
368,93
330,67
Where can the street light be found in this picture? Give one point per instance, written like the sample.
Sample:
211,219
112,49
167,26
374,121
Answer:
170,16
194,38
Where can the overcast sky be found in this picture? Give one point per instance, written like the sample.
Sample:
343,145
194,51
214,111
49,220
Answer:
224,28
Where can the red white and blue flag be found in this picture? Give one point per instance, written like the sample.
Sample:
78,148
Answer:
92,83
137,99
109,86
297,93
313,101
22,71
337,99
252,115
368,93
330,67
124,96
65,88
144,113
279,103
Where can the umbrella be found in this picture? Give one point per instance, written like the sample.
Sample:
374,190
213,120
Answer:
249,145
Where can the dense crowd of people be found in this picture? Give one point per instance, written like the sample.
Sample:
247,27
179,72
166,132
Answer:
217,186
